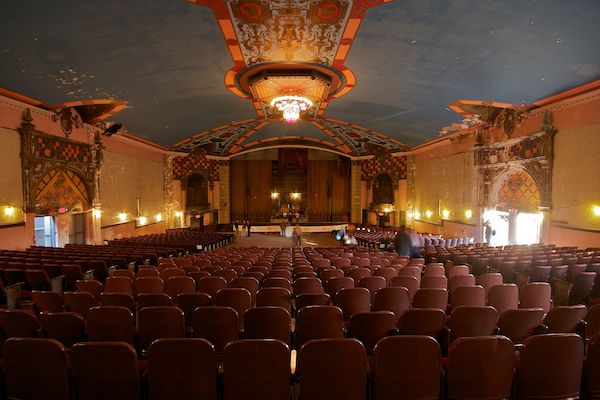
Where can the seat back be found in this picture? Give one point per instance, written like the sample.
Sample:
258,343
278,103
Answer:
106,370
536,295
319,322
66,327
19,323
267,323
179,284
592,370
489,280
110,324
406,367
79,302
35,368
270,362
550,366
239,299
394,299
565,319
188,302
422,321
335,284
434,282
118,284
521,323
373,284
431,298
312,299
503,297
149,285
158,322
218,325
274,296
352,301
480,368
154,299
249,283
46,301
276,281
118,299
93,287
472,321
592,318
409,282
333,369
181,368
211,285
370,327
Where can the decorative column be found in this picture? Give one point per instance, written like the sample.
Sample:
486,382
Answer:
355,176
224,193
169,218
410,191
97,162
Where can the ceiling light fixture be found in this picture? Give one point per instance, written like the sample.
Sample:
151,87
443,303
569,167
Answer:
291,106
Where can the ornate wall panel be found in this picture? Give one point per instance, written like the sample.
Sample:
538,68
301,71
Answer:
384,163
195,163
57,172
532,153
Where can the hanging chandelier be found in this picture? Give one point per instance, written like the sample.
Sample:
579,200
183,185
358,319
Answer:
291,106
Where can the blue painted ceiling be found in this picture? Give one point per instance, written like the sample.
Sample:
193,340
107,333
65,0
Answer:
167,58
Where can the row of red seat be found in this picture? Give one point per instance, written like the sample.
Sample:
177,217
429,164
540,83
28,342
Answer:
402,367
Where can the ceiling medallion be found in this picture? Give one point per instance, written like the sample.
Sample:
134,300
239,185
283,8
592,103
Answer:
291,106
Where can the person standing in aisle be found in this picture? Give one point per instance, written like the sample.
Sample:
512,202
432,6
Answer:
249,225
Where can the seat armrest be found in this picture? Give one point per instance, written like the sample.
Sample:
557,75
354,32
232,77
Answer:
13,295
56,283
88,275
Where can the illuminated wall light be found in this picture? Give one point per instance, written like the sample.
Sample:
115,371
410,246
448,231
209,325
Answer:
143,220
469,214
274,195
410,214
178,214
295,195
158,217
122,217
428,213
596,211
96,213
445,214
417,214
9,211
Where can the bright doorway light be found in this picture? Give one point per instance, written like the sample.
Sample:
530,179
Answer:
528,228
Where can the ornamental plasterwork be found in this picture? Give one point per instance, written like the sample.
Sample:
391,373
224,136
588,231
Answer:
36,166
289,30
219,140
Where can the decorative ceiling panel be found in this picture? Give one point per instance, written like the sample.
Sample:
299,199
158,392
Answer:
289,30
362,141
219,141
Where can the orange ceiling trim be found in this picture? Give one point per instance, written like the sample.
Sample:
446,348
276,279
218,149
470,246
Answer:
328,132
249,133
586,87
344,148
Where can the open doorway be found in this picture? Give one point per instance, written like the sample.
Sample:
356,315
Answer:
499,223
513,227
45,231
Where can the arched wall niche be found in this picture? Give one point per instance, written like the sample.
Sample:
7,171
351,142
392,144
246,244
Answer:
196,188
61,188
515,188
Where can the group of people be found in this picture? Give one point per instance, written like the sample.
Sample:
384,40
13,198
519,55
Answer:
406,242
245,225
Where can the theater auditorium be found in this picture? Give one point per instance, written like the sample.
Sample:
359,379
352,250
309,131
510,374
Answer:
300,199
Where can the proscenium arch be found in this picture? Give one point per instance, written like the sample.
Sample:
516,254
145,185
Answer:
287,146
62,187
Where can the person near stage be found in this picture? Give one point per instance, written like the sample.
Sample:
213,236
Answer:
402,242
244,228
349,238
297,236
283,226
488,232
236,227
248,226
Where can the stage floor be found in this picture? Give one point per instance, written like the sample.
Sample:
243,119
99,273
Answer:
306,228
268,240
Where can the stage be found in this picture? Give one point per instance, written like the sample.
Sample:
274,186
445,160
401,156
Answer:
306,227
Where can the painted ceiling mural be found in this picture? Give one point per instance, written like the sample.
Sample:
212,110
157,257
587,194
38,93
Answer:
411,70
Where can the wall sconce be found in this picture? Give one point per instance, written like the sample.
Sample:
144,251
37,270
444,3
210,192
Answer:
417,214
178,214
295,195
445,214
158,217
274,195
143,220
122,217
96,213
428,213
596,211
9,211
468,214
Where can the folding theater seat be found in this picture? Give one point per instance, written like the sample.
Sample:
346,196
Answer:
267,323
319,322
79,302
274,296
218,325
110,324
188,302
158,323
370,327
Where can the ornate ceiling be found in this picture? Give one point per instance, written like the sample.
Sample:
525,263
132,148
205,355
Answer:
398,67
